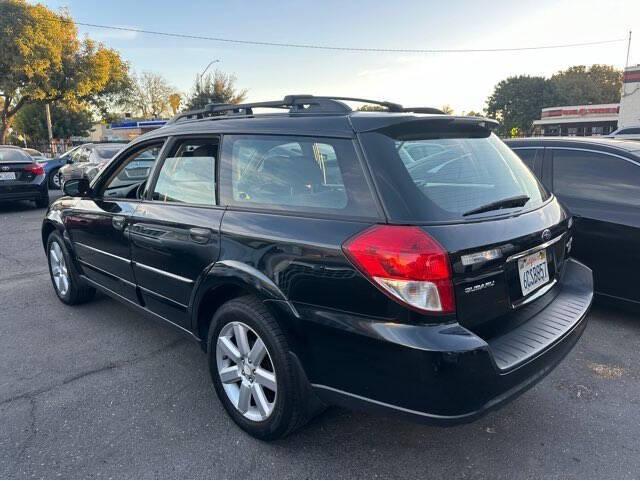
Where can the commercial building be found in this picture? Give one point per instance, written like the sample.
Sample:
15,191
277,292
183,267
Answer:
588,120
577,120
123,131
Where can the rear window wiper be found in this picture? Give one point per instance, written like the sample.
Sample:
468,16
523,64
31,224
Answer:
515,201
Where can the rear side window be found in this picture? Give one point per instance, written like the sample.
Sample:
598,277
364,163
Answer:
298,174
596,177
442,173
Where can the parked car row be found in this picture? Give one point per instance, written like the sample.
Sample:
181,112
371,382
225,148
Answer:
406,262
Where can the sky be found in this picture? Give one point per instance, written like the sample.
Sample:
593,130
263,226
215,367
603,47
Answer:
461,80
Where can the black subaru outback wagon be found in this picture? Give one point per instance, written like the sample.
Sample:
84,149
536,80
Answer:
404,261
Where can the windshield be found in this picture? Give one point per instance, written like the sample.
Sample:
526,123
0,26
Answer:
453,175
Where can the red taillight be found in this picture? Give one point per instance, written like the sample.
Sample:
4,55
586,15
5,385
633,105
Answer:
35,169
407,263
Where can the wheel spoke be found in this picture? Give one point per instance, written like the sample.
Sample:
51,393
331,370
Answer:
58,251
230,375
256,355
227,347
245,398
260,399
266,379
242,340
54,256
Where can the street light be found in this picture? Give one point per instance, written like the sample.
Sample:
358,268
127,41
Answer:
205,71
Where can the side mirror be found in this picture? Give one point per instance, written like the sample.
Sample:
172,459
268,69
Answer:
76,187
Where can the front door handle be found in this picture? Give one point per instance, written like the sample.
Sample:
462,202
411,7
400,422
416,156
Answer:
199,236
118,222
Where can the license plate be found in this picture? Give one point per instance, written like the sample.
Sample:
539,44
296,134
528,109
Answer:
533,271
7,176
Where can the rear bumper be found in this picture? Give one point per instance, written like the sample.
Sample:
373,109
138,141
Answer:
442,374
30,191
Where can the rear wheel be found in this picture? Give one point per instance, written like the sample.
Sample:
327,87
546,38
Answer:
252,370
55,179
67,283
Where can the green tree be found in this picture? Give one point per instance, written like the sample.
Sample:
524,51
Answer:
219,88
66,122
473,113
516,102
579,85
43,60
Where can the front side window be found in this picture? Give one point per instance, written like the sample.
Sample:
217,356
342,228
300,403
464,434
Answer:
128,179
597,177
438,173
188,174
299,174
81,156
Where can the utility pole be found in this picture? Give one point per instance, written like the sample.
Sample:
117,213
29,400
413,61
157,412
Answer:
628,50
47,112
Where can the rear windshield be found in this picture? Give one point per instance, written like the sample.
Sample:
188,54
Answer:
450,175
13,155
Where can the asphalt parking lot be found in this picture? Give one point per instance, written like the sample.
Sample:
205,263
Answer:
98,391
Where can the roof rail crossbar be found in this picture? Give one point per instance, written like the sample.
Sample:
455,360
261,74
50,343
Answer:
296,104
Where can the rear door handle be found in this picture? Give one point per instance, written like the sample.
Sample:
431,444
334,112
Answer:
118,222
199,236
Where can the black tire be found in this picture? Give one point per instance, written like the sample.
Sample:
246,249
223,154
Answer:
292,407
42,202
52,176
78,292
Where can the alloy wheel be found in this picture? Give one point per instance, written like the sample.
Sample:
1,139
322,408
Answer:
57,180
59,269
246,371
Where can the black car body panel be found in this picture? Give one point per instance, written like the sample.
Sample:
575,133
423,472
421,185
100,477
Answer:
179,261
605,212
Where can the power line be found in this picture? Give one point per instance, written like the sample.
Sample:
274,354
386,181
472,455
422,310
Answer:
339,48
348,49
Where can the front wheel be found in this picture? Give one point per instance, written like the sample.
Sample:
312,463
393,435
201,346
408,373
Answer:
252,370
67,283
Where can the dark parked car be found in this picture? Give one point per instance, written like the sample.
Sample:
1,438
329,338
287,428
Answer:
22,178
52,167
396,261
88,160
598,180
